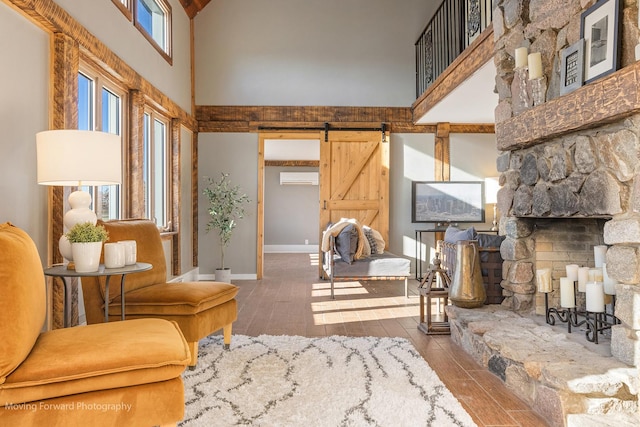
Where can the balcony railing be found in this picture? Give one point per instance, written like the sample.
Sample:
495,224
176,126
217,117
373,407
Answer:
455,25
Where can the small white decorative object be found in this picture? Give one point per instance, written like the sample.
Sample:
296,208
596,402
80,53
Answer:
114,255
130,251
567,293
572,272
595,297
583,279
543,277
609,283
86,256
599,254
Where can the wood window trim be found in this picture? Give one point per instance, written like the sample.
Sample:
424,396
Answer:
125,9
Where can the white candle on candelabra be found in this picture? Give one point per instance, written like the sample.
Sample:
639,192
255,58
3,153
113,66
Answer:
572,272
595,275
567,293
599,254
609,283
583,278
535,65
521,57
595,297
543,276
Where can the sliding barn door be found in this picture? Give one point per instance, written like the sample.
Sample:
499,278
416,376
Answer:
354,179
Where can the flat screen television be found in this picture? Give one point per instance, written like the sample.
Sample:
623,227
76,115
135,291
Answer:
447,201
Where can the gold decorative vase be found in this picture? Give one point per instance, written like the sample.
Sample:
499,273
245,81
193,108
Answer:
467,289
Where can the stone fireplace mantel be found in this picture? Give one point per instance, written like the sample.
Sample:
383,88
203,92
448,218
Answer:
607,100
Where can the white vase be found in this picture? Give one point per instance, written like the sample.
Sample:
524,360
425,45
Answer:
223,275
86,256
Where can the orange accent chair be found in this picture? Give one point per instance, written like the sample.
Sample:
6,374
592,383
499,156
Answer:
199,308
121,373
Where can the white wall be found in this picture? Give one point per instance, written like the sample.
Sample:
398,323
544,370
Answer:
237,155
311,52
291,212
105,21
24,79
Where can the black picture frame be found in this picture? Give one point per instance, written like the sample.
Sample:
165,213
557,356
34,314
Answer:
601,30
447,201
572,67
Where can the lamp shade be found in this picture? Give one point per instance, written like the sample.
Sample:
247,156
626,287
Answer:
78,157
491,187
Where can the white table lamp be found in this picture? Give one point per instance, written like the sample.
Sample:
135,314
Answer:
76,158
491,187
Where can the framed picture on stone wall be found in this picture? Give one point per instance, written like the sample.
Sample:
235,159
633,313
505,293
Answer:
572,67
600,28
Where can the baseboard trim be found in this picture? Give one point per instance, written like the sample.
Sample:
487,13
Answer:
289,249
212,277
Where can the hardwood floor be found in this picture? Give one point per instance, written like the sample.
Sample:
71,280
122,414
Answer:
291,300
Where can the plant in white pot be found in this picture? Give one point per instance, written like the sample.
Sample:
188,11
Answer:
226,207
86,241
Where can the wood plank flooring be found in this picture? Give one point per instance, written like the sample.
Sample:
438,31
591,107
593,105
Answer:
292,300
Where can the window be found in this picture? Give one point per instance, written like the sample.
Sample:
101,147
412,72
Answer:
125,7
155,166
153,19
100,107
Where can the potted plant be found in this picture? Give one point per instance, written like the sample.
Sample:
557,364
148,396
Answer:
226,206
86,241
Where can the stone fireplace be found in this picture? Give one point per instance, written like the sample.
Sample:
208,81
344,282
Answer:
570,174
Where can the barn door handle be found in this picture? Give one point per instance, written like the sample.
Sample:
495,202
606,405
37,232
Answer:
325,205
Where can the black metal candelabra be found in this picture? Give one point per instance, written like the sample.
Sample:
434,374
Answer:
596,323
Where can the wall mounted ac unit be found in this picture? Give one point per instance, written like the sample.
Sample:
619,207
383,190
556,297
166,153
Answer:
298,178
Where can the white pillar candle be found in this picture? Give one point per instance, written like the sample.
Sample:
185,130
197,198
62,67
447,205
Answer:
567,293
583,278
595,275
130,251
572,272
595,297
609,283
535,65
599,254
114,255
521,57
543,277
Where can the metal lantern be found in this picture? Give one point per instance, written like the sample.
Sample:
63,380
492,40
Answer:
434,287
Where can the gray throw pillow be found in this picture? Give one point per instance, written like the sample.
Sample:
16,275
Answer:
454,234
489,240
347,243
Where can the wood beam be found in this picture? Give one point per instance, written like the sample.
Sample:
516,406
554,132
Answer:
442,153
607,100
248,119
300,163
468,62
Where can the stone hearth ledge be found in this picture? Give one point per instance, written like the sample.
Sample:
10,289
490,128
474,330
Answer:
562,380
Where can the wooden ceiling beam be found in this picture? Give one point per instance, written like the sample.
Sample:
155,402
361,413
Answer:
193,7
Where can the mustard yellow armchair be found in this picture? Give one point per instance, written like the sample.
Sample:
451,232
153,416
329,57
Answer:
199,308
121,373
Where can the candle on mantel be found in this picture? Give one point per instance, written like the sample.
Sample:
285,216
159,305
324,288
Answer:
599,254
521,57
572,272
595,297
583,278
543,276
567,293
535,65
609,283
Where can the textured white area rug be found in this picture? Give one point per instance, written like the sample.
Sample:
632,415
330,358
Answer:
331,381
